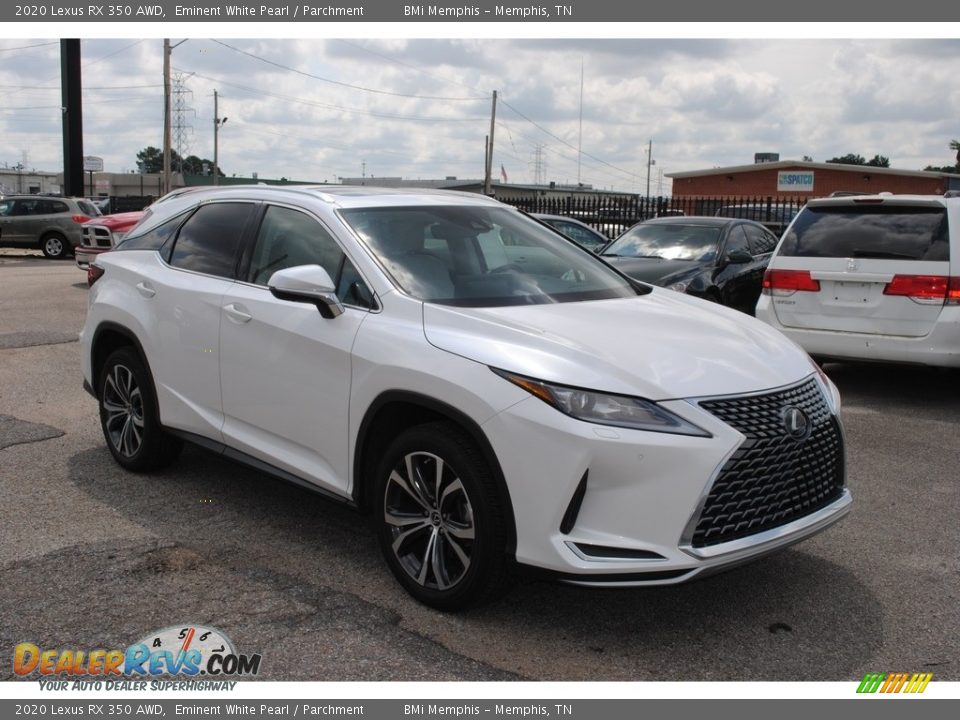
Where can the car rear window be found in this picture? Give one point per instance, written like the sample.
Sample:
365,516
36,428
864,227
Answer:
881,231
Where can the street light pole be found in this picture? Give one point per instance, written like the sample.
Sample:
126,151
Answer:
217,122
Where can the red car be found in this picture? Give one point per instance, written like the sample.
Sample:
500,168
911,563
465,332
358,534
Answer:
100,234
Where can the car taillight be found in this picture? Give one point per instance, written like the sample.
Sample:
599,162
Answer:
94,273
80,218
787,282
926,288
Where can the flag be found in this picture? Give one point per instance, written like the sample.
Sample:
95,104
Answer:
503,173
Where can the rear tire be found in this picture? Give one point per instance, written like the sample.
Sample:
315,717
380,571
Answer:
439,521
55,246
129,416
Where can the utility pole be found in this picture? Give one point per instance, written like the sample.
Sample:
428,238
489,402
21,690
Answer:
649,164
487,189
166,116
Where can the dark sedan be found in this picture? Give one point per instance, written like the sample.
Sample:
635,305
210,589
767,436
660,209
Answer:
715,258
579,232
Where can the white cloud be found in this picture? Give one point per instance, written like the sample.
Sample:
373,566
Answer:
317,109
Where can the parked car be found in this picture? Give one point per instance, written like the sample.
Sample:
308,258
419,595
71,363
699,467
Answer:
579,232
493,394
870,278
50,224
774,217
717,259
100,234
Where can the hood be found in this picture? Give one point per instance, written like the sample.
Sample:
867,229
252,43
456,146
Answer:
660,346
652,270
117,221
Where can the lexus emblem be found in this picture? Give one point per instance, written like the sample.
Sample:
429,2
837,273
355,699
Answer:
852,265
796,422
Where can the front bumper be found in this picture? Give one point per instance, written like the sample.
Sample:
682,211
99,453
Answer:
642,493
85,255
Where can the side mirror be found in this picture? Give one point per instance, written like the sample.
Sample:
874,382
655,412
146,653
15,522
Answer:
307,283
738,257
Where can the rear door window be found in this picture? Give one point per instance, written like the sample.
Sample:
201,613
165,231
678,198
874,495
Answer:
209,241
860,231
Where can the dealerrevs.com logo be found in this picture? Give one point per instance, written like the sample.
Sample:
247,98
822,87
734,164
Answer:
889,683
188,650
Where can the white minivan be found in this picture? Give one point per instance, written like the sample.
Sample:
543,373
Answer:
871,277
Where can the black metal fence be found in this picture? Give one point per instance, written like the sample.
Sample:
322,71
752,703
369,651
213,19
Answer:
612,216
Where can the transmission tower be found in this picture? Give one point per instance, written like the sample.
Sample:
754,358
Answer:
182,129
539,166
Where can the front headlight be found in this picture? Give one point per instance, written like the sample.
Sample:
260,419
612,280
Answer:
830,390
605,408
678,286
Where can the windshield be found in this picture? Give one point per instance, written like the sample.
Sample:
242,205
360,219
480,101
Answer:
668,241
481,257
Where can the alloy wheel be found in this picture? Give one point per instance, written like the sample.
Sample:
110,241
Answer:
123,404
430,520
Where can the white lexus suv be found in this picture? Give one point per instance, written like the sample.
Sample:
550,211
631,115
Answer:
872,277
496,396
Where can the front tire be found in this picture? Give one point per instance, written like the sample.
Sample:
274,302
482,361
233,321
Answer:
439,520
129,417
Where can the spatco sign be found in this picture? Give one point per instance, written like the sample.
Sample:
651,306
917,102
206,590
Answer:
794,181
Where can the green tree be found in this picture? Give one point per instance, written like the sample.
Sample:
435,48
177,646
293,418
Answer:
849,159
879,161
150,160
955,145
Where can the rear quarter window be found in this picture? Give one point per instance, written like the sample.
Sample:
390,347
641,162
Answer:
883,232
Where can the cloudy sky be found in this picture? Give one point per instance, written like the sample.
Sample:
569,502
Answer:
317,109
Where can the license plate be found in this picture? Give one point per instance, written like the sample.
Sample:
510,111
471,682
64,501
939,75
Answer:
852,292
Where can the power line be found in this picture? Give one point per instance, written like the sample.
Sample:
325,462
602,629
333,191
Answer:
343,84
331,106
27,47
561,140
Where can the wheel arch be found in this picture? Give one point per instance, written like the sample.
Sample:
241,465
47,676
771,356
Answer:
396,410
110,336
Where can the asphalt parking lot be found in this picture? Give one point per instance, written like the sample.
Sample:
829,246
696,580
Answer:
94,557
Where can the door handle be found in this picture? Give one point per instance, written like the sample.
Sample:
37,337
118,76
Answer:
236,314
146,290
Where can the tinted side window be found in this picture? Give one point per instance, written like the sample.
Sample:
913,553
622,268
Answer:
55,206
288,238
737,240
155,239
761,240
880,231
208,242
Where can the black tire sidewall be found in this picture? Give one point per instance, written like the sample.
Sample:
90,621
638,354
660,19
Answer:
64,246
148,455
460,453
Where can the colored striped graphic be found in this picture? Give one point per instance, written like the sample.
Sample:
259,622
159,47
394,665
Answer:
894,682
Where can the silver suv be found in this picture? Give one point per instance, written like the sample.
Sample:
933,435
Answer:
51,224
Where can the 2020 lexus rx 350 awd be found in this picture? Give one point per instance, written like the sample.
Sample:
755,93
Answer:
493,394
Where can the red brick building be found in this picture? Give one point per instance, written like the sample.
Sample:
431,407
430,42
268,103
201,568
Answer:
794,179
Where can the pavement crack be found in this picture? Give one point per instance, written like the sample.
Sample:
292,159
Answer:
32,338
14,431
